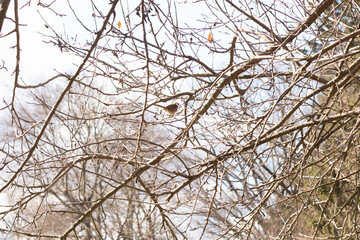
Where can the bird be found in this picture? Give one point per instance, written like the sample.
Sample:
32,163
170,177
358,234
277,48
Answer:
170,109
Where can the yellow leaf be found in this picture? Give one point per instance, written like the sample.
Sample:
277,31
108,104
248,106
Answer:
210,37
119,24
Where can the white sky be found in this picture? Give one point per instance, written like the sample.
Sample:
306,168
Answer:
40,61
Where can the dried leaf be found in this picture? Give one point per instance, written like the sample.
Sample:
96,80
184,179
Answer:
119,24
210,37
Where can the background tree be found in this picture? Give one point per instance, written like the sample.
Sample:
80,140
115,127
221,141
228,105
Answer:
4,4
332,206
263,135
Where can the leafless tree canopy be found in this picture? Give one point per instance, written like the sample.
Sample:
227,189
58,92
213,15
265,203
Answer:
263,143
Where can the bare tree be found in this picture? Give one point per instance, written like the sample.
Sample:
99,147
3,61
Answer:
260,142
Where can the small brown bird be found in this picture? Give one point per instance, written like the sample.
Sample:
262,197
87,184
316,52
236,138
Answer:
170,109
